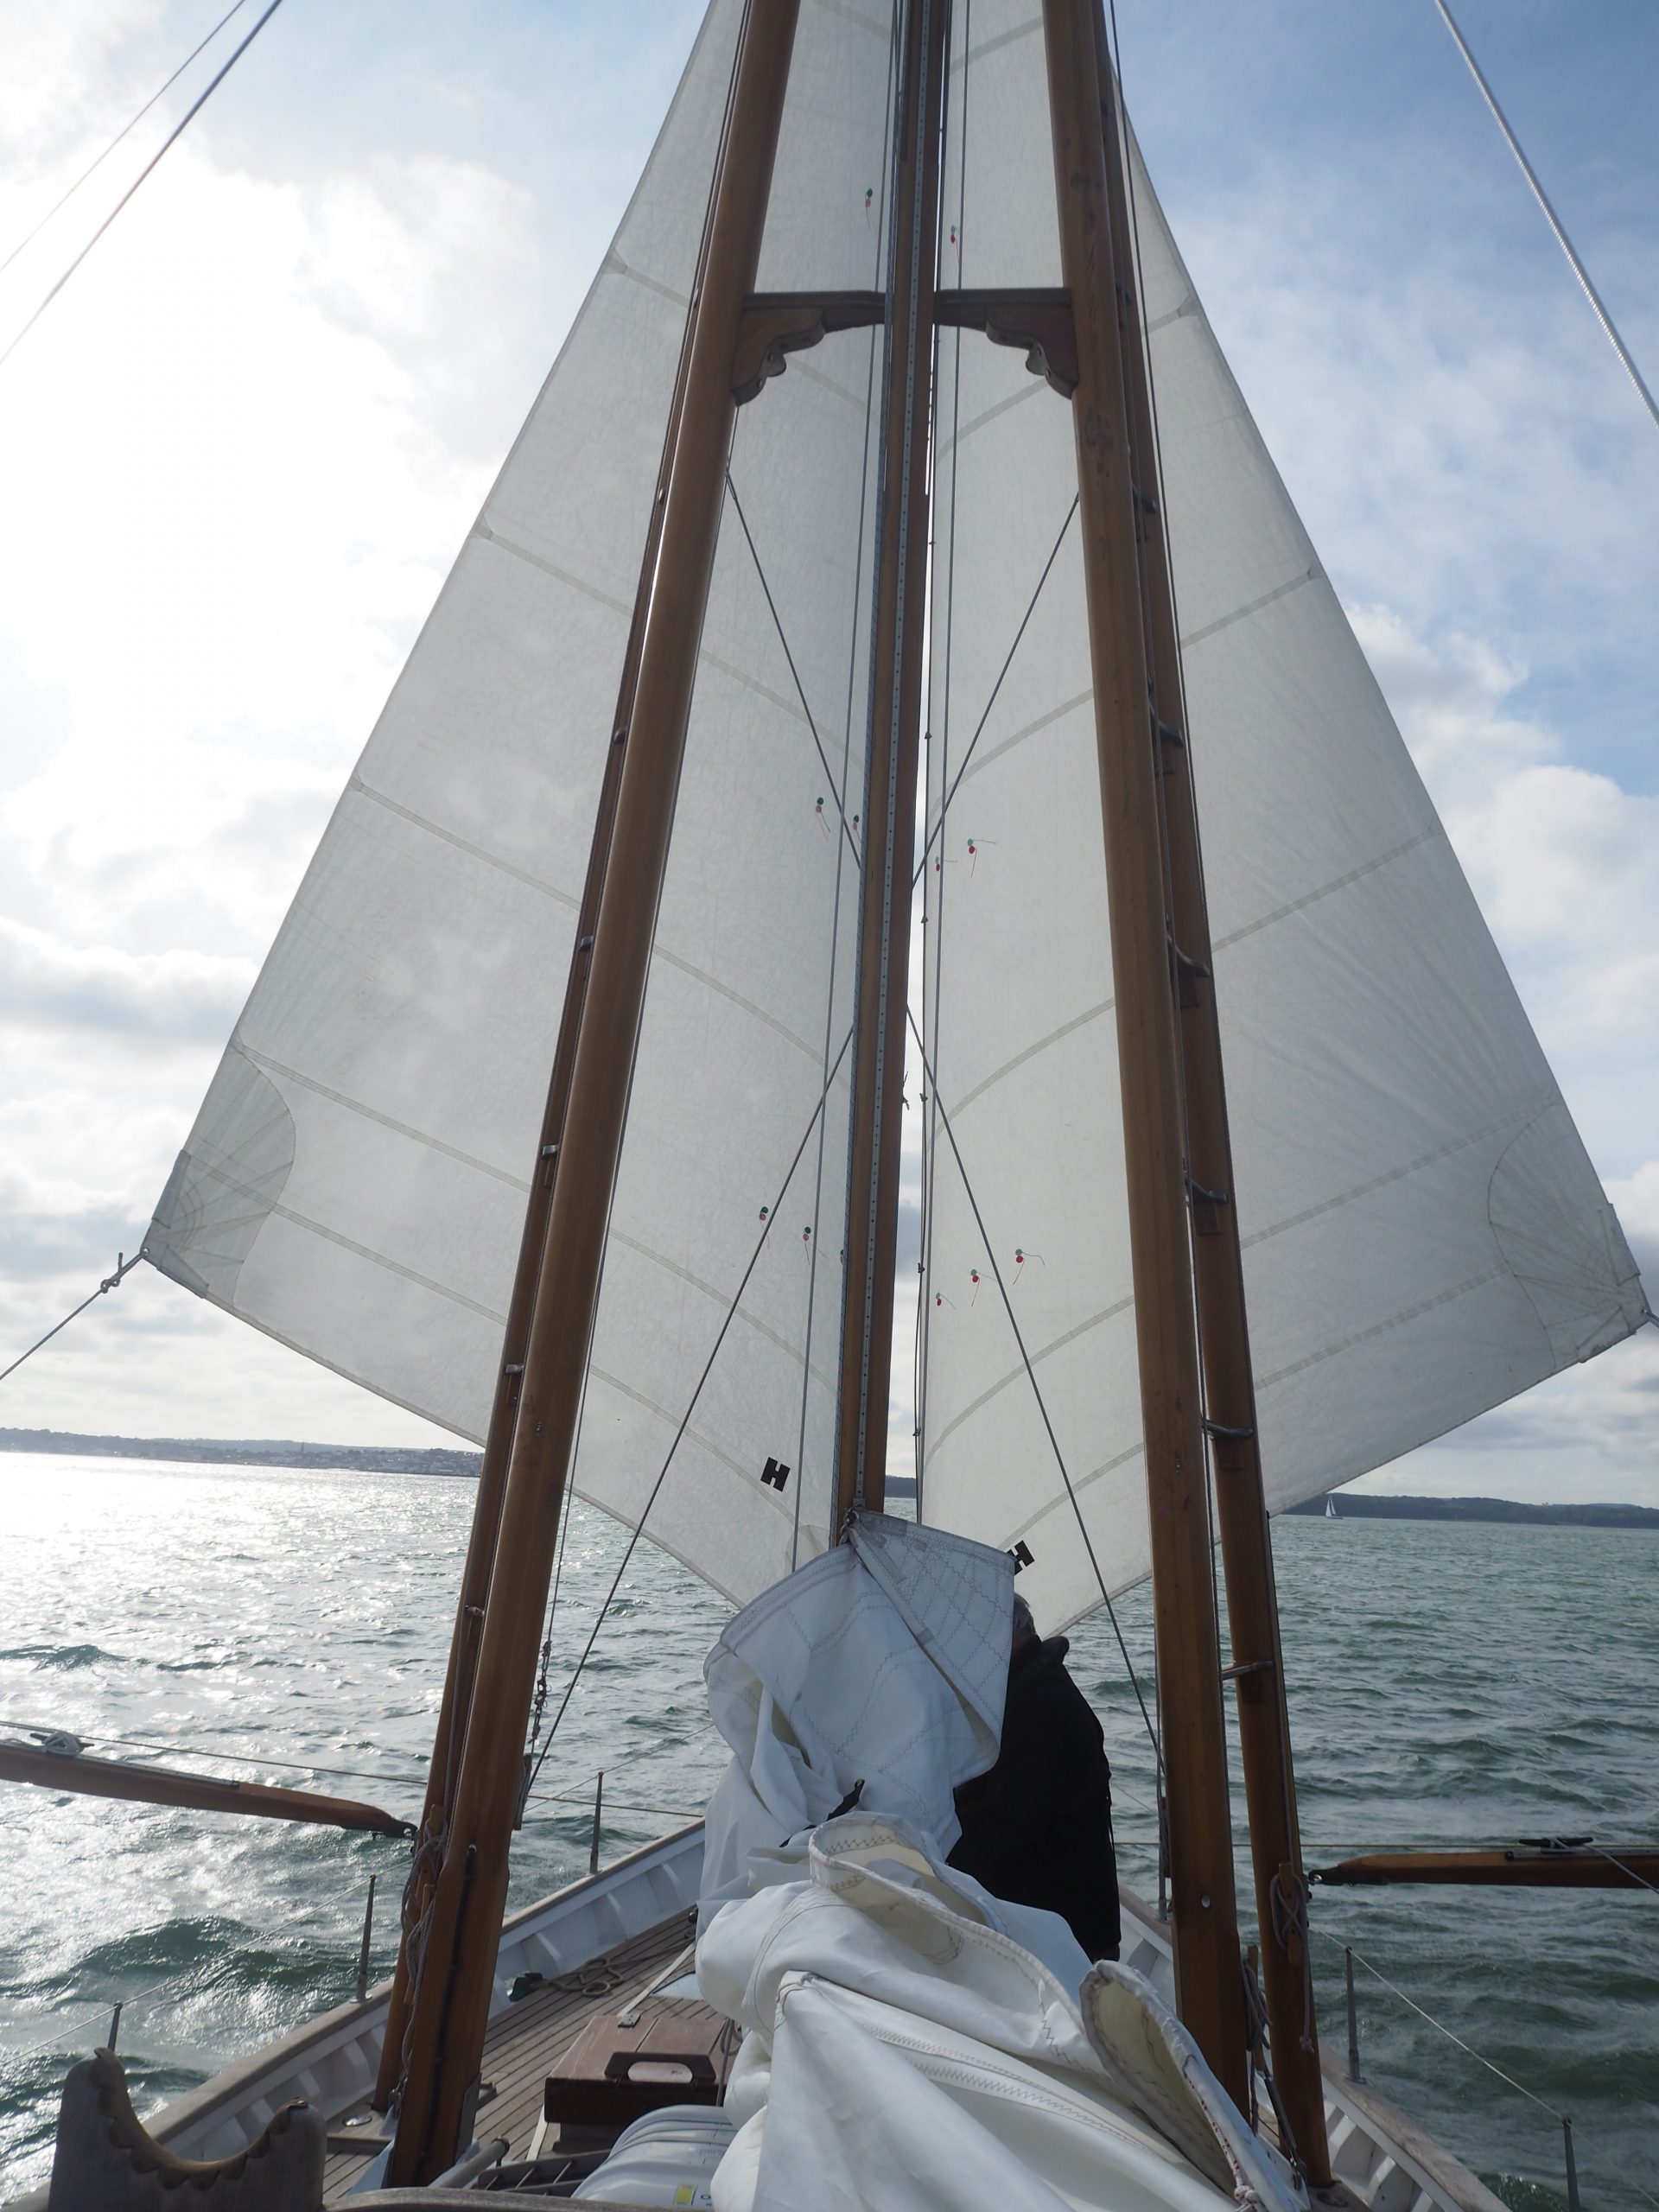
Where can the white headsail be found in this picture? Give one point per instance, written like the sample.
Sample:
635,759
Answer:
355,1183
1424,1234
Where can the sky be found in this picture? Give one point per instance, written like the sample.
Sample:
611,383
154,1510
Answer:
242,446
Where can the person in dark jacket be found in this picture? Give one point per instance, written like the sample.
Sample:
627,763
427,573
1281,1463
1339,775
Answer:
1037,1828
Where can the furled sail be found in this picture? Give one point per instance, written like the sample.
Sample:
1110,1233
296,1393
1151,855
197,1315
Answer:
1424,1234
356,1179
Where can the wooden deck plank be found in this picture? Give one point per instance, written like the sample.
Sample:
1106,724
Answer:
525,2043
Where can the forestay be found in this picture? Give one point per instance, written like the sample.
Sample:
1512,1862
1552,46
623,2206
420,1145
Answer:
1423,1233
356,1179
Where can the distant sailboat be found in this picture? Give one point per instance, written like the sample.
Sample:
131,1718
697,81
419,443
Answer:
643,810
1331,1508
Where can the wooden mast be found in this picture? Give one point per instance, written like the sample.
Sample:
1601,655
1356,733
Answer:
1256,1668
878,1076
456,1701
450,2010
1209,1980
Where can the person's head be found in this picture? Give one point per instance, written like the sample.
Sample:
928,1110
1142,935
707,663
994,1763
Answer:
1025,1628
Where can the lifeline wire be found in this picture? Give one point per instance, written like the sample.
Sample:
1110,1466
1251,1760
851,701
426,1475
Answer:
64,198
1609,327
123,1267
1531,2094
685,1419
1037,1392
171,139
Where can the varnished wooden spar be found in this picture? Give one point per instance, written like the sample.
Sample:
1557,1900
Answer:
1529,1868
1257,1668
198,1793
447,2017
1209,1977
459,1679
878,1072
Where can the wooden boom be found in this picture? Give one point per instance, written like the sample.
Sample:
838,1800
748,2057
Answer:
1534,1866
201,1793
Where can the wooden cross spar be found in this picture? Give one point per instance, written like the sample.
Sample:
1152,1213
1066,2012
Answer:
72,1771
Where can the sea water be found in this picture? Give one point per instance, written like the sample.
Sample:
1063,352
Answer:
1449,1683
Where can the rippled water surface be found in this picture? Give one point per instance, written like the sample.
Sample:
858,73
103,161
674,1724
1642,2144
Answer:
1460,1681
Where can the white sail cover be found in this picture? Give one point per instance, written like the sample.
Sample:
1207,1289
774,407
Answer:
356,1179
1423,1233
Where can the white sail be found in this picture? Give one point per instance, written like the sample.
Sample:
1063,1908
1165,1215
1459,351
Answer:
1423,1233
356,1180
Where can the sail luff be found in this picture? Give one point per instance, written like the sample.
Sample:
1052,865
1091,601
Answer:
1256,1657
1209,1987
892,761
451,2007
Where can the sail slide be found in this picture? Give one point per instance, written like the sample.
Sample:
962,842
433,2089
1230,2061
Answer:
1423,1233
355,1182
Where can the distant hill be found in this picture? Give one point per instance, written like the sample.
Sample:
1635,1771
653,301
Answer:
1356,1505
412,1460
249,1452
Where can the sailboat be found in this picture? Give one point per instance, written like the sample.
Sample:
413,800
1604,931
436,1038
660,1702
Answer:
888,565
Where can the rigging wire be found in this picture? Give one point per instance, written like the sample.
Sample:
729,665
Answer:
635,1533
1037,1393
1610,328
979,727
838,792
171,139
124,1266
64,198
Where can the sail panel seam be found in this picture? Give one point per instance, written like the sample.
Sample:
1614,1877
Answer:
1059,1343
373,1113
1516,1121
1030,729
1324,890
1251,606
720,1297
1066,1029
268,1208
1420,1306
461,845
1033,389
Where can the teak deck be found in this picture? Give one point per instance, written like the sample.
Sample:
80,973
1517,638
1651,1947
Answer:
525,2043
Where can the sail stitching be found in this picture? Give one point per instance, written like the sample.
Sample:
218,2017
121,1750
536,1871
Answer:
1032,729
614,265
1057,1343
1324,890
1253,606
697,1436
1033,388
709,1290
1078,1021
461,845
1392,1175
373,1113
1498,1273
363,1251
482,530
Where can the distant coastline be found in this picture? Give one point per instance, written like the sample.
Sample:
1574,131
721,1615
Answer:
414,1459
1360,1505
249,1452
